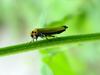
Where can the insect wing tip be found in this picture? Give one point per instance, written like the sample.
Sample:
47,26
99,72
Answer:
65,26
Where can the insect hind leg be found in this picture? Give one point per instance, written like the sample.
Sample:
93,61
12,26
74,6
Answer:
46,37
52,36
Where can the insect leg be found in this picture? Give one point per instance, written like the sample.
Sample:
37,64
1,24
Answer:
52,36
46,37
43,35
33,40
36,38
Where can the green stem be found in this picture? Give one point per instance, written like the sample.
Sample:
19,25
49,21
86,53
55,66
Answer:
47,43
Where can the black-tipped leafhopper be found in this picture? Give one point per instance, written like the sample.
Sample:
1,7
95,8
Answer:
47,32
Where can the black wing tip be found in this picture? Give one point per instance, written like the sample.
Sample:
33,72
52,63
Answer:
65,27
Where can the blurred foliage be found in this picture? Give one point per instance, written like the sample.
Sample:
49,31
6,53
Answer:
19,17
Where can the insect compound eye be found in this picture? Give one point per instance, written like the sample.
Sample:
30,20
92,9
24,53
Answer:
33,32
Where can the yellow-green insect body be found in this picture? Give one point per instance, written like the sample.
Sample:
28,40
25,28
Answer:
45,32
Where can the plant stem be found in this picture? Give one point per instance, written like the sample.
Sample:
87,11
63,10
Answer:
47,43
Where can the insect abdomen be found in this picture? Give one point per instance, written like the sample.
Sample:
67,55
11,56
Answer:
52,30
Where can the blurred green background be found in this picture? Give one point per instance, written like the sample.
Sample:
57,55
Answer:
19,17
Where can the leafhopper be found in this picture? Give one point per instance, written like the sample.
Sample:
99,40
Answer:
47,32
